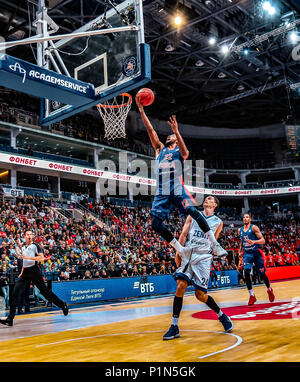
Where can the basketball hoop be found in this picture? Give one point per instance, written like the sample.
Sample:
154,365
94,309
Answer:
114,113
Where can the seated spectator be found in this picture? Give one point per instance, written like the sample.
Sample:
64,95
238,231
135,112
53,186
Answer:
82,267
295,258
63,276
279,260
104,275
163,270
73,275
143,271
130,266
124,273
270,261
111,268
153,272
135,271
288,258
96,274
87,275
4,248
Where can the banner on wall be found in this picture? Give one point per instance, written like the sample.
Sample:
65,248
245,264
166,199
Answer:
83,291
77,170
285,272
13,192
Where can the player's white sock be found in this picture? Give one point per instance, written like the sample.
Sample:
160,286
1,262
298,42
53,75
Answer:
220,313
251,292
175,244
174,320
211,236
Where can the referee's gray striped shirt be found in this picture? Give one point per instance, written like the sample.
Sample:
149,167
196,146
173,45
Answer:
32,250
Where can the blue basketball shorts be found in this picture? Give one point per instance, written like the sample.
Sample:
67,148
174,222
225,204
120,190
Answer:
163,204
250,258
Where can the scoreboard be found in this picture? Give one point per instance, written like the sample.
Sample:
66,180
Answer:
293,137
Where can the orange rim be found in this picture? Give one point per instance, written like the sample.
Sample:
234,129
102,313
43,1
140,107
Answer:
117,106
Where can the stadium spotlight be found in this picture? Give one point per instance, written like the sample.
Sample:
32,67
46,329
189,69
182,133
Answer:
267,6
294,37
271,11
245,51
178,20
212,40
225,49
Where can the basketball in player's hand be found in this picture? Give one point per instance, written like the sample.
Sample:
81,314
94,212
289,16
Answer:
145,96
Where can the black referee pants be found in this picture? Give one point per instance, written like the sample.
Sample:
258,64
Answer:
34,275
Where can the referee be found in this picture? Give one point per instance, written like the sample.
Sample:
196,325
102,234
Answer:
31,255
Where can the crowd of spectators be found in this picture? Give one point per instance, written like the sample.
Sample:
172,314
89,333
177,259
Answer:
125,246
82,249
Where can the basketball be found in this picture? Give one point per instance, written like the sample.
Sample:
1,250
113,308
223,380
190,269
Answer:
146,96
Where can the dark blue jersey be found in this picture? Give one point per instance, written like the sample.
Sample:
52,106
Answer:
248,235
169,171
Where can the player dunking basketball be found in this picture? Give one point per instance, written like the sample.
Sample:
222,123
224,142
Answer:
169,168
251,237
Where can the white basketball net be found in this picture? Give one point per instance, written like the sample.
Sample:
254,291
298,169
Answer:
114,113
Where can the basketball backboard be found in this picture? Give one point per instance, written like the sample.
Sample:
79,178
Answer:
113,63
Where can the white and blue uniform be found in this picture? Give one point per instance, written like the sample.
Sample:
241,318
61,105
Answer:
196,270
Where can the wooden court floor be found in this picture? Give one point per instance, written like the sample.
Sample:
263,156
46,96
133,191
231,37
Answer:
132,331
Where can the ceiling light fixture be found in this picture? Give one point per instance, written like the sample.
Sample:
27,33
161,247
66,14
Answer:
212,40
178,20
224,49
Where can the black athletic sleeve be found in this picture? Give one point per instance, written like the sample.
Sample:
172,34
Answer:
38,248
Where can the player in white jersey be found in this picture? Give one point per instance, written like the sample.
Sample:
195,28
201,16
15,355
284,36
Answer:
195,269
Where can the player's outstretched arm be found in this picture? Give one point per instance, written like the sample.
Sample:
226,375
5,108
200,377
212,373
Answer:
182,147
156,143
219,230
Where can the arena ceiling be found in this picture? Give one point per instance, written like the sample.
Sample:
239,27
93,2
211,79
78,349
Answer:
192,78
